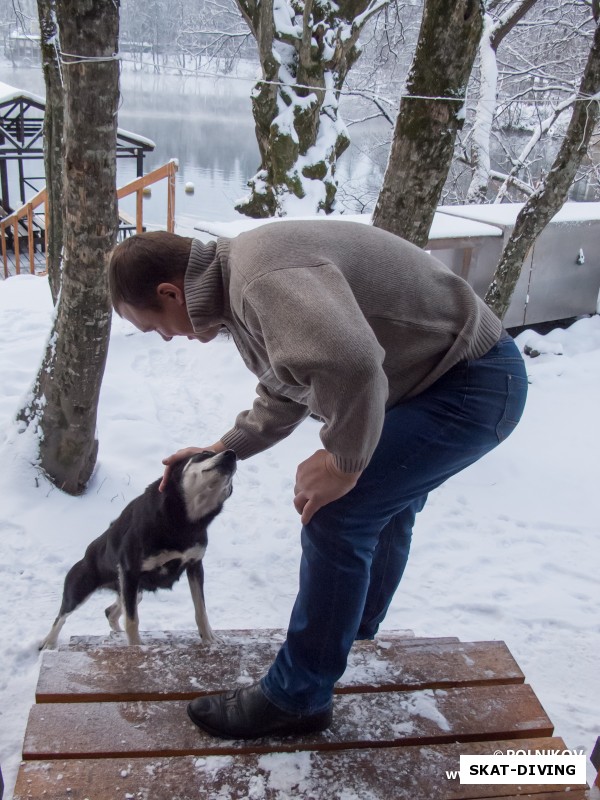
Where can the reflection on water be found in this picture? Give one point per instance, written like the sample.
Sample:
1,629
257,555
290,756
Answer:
207,125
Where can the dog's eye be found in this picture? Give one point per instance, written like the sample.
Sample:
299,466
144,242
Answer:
205,455
202,456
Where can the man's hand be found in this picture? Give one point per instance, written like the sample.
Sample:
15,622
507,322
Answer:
318,482
186,452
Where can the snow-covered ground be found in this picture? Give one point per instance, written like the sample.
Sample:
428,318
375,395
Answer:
507,550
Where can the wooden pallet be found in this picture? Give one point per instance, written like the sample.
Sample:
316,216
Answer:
109,722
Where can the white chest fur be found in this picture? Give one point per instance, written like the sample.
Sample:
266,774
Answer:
194,553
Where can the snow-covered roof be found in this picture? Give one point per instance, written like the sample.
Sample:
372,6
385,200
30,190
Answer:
449,222
444,226
29,37
136,138
10,93
505,214
447,226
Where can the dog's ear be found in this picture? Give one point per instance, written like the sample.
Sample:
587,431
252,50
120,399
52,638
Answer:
174,475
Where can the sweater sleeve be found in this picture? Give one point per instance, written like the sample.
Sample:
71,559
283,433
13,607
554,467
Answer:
271,418
317,337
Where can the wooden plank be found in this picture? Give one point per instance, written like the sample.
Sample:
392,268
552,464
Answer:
160,672
229,636
561,793
4,251
109,730
139,212
396,773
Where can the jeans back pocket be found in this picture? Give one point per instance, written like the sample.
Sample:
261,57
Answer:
516,394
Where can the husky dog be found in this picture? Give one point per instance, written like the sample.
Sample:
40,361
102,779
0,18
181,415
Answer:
157,537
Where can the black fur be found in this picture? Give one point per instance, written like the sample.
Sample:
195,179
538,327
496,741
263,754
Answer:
152,524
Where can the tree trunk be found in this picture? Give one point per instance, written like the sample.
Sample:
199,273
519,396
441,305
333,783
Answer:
494,32
426,129
64,405
305,50
484,116
553,190
53,138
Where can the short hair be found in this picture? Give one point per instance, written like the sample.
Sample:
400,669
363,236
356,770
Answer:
140,263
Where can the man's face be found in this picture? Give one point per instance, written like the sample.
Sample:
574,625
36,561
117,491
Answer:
170,320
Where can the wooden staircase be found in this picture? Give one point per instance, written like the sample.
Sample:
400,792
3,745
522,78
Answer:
110,722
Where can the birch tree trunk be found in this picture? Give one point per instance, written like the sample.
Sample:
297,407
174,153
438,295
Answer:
494,31
552,192
306,49
65,397
53,138
426,129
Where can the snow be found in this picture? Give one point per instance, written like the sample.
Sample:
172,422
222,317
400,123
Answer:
10,93
423,704
449,222
507,550
505,214
486,106
135,137
444,225
286,772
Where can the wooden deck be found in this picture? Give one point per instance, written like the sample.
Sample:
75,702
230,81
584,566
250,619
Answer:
109,722
127,226
24,264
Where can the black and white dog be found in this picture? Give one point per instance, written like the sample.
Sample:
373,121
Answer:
157,537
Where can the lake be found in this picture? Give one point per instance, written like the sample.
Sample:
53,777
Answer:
207,125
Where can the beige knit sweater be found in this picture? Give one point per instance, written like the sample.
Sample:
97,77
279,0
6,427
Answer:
336,318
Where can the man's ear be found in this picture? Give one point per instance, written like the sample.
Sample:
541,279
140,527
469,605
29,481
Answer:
171,291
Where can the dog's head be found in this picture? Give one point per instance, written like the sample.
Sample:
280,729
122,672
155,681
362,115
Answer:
205,482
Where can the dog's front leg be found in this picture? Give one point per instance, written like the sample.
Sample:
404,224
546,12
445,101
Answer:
195,575
128,584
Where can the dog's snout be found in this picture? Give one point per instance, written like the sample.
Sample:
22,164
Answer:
228,459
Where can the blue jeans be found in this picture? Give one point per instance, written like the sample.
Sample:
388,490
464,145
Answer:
354,550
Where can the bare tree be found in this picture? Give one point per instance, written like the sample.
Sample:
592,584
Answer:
183,36
496,28
552,192
215,34
65,397
531,57
430,116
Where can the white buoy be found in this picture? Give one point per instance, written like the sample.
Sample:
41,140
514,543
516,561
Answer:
190,188
147,191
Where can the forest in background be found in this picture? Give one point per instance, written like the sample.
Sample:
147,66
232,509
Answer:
539,64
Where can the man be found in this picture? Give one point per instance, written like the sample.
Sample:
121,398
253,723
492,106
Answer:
411,374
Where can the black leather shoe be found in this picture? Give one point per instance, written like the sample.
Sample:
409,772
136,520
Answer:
247,714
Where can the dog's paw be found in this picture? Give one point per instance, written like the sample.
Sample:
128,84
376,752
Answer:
211,637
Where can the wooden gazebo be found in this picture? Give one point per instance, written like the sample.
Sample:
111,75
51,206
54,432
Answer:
21,140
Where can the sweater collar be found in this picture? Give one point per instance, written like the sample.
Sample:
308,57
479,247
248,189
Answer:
206,282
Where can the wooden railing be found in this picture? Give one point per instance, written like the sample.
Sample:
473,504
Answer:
14,220
26,212
138,185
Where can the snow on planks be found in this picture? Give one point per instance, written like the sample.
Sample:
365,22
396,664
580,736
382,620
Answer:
157,672
110,723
